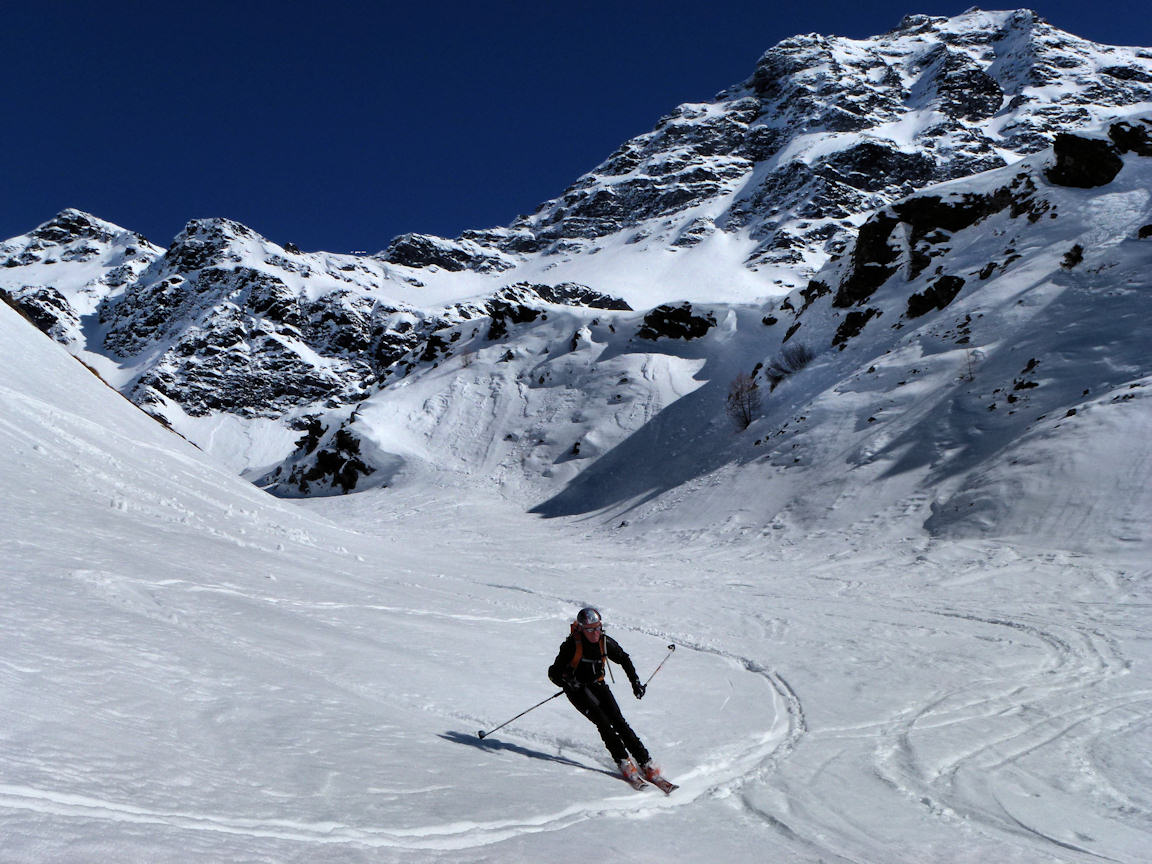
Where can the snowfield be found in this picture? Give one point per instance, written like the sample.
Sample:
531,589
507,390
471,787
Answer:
192,670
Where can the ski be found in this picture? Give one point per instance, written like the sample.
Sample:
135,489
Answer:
664,785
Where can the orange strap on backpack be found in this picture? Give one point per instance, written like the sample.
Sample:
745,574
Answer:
578,654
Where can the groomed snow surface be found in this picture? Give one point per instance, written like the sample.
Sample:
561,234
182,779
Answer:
194,671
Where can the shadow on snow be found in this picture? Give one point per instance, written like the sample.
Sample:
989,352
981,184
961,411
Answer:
492,746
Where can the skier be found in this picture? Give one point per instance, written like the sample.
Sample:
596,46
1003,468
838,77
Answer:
579,669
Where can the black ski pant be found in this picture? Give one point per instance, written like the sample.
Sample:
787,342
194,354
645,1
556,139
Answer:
596,702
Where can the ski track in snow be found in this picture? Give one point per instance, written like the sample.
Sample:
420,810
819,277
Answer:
718,776
1058,710
1062,712
450,836
1055,697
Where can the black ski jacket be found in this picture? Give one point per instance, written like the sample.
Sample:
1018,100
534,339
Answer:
590,667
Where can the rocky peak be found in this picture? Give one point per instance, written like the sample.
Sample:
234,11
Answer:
915,24
60,271
207,241
72,235
69,225
824,130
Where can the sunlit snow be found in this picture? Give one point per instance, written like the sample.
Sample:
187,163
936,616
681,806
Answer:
195,671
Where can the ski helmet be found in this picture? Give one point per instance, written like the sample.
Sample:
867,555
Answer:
588,617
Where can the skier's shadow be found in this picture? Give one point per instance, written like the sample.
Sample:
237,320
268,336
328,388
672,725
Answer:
490,745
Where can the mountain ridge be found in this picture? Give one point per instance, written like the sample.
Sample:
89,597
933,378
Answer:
280,362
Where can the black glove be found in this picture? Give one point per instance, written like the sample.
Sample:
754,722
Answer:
568,681
638,689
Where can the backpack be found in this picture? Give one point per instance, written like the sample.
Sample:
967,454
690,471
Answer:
578,654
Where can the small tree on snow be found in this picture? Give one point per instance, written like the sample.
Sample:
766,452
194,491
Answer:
792,358
743,401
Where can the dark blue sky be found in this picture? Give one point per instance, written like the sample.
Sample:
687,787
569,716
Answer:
338,125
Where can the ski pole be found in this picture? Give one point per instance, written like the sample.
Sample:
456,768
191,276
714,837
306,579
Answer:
671,648
484,734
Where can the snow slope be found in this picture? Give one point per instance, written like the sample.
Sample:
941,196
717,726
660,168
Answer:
249,347
1009,412
195,671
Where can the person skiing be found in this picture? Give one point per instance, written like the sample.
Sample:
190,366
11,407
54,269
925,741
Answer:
579,668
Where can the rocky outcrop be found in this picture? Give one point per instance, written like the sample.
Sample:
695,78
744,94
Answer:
925,223
675,322
852,325
1084,162
423,250
573,294
874,260
935,297
49,310
325,462
1132,137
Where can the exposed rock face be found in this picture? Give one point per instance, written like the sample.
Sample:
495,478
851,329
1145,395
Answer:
853,323
903,262
49,310
925,223
1132,137
937,296
324,462
873,260
675,322
1084,162
423,250
521,303
571,294
824,130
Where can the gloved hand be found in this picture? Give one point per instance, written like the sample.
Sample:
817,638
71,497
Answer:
568,681
638,689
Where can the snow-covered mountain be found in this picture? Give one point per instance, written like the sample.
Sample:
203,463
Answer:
908,589
774,174
531,355
968,329
65,269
